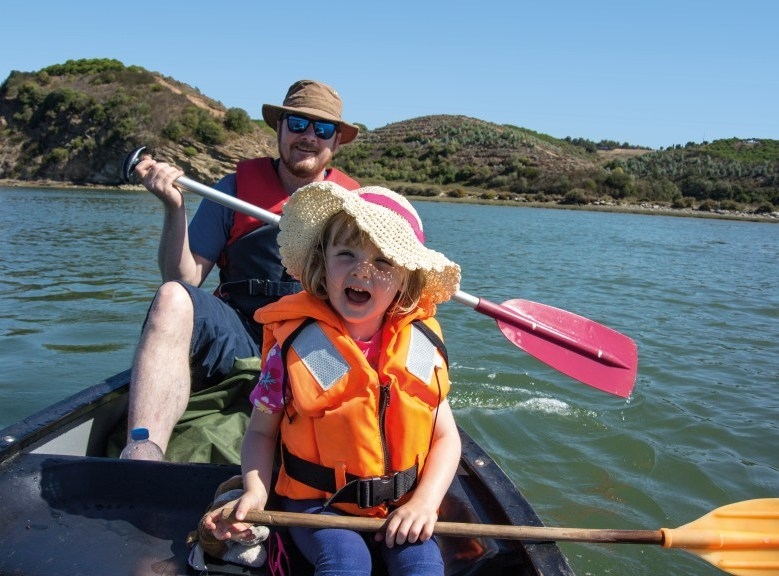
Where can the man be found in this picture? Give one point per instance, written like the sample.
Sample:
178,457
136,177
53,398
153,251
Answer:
191,338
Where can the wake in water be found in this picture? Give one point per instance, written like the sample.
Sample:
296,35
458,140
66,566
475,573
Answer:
476,388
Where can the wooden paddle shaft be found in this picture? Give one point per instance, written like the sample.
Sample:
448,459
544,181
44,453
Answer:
462,529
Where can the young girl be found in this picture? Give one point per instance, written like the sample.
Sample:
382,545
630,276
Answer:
355,379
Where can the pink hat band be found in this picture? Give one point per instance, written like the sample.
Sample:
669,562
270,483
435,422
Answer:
398,209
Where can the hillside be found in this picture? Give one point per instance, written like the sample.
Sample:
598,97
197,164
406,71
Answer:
74,123
465,157
460,150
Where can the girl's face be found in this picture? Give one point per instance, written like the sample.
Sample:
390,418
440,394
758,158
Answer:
361,285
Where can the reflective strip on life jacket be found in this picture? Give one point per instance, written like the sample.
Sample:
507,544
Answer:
422,355
320,356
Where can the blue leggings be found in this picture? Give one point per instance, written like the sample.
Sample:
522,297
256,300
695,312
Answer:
335,551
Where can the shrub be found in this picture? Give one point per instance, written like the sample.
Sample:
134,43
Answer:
64,100
729,205
209,132
682,202
30,94
56,156
620,183
577,196
707,206
237,120
173,131
85,66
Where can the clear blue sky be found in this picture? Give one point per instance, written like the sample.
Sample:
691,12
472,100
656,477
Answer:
654,73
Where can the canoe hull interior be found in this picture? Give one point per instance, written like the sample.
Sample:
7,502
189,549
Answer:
73,515
68,510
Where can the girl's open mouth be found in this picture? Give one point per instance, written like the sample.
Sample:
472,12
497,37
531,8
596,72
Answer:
357,296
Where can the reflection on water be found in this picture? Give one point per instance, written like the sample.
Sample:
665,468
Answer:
700,297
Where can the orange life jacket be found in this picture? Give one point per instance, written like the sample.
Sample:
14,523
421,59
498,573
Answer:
358,435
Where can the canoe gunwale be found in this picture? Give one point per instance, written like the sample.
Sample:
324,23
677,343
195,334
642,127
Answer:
32,433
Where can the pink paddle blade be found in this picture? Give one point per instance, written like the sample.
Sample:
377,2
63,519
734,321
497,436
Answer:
576,346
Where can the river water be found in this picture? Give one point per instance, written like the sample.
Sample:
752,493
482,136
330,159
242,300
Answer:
700,298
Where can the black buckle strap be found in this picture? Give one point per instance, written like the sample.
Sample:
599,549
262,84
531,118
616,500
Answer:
365,492
258,287
374,491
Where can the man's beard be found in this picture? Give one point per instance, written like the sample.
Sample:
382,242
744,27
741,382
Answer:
303,169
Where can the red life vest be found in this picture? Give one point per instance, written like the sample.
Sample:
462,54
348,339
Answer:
258,183
250,270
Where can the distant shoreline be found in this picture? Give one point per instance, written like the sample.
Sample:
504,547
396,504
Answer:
643,208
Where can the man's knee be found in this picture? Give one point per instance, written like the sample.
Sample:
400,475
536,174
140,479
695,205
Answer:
172,301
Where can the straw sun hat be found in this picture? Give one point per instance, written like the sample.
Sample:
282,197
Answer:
387,217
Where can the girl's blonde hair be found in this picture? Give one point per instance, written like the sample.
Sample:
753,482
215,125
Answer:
342,228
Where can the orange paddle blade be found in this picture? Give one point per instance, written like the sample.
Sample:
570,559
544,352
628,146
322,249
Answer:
740,538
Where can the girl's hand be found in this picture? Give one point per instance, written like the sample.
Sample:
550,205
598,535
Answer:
233,529
412,522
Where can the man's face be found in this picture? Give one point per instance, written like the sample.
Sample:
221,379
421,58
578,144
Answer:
305,154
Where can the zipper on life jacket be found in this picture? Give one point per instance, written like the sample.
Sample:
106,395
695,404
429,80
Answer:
384,400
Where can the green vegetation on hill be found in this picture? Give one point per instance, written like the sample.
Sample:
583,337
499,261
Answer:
726,173
460,156
74,122
456,150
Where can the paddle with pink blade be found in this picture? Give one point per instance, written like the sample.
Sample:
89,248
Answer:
576,346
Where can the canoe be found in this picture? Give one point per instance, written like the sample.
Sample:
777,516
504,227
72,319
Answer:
69,509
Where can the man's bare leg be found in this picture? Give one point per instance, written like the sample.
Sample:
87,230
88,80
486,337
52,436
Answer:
160,382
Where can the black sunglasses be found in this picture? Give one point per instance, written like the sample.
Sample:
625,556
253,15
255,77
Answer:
322,129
